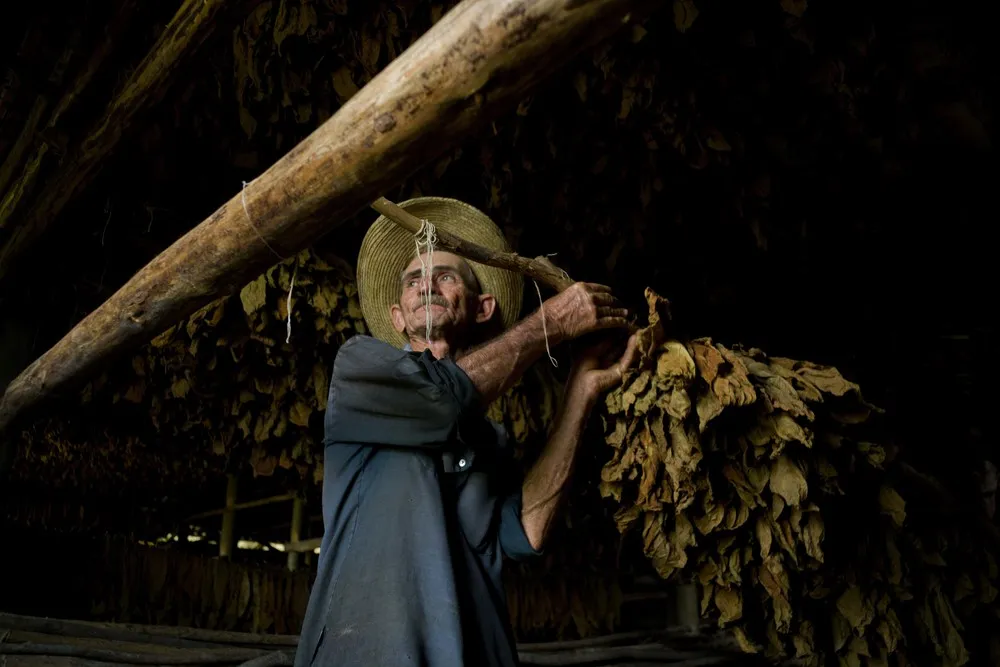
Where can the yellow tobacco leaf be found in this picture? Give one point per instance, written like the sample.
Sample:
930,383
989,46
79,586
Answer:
890,630
708,408
180,387
856,609
795,7
812,536
254,295
136,391
343,84
729,603
803,641
321,387
684,14
299,413
656,545
674,365
712,517
744,642
788,481
763,531
950,630
774,578
892,504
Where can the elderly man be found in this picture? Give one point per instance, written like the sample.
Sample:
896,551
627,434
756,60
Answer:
421,500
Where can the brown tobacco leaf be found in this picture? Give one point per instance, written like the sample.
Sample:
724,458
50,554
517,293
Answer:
724,372
774,579
778,393
730,604
788,481
817,378
892,504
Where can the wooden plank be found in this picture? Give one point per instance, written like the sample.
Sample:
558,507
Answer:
476,62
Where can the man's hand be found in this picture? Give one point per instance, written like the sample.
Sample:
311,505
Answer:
582,309
599,366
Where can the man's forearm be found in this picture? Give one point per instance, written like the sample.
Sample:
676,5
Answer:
547,480
496,366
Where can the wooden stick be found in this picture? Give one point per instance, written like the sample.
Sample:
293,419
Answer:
303,545
141,633
250,504
540,268
189,28
214,656
228,518
298,509
476,62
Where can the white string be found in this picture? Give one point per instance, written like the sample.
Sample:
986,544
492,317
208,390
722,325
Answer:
243,196
545,331
288,307
424,240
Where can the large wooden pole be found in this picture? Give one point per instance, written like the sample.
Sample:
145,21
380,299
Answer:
477,61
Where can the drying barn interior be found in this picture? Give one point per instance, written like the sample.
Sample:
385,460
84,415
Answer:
792,197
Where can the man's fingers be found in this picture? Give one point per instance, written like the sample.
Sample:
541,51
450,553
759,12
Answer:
628,358
611,323
612,312
597,287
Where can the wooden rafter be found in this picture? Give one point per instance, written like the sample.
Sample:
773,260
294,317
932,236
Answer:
477,61
189,28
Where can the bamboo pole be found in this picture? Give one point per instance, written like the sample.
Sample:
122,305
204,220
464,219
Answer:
226,542
476,62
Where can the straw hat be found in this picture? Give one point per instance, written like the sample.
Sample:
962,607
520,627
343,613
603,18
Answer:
388,249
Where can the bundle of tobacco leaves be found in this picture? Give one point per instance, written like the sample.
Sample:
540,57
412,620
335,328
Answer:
752,476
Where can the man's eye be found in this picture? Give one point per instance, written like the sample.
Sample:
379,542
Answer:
447,277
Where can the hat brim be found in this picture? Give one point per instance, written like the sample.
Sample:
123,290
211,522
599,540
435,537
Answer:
388,249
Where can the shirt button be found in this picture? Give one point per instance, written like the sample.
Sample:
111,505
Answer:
461,463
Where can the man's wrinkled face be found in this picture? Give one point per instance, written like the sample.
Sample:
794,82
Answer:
455,304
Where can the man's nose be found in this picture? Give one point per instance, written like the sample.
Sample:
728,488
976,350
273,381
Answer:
423,282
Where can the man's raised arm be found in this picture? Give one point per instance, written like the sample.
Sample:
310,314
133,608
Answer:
585,307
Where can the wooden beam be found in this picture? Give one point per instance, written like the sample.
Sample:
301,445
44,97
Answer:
477,61
184,34
250,504
303,546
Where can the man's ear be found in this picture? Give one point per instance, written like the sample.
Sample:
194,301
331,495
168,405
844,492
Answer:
398,321
487,306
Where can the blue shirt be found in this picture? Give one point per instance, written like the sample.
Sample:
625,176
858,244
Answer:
421,503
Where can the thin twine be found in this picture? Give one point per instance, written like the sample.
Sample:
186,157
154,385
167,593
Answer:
424,240
243,195
545,331
288,306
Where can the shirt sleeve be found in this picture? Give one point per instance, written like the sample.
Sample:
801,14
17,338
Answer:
513,540
380,395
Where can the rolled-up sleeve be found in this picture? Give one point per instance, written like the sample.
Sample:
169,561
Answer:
380,395
513,540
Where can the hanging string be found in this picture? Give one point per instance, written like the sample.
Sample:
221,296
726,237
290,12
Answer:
545,331
424,240
288,306
243,195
